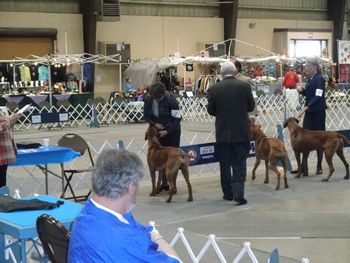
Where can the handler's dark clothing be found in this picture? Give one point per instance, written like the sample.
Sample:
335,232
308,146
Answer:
314,92
230,101
315,116
165,117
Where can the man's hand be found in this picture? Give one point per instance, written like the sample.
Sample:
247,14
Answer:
300,89
163,133
159,126
302,112
27,107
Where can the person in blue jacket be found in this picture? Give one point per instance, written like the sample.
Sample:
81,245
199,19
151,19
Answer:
105,231
315,103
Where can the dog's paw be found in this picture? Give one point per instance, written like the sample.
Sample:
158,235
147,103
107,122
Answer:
277,188
152,194
346,177
266,181
190,199
253,178
168,200
286,186
325,180
297,176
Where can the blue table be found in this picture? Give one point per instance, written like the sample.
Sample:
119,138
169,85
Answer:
43,156
22,225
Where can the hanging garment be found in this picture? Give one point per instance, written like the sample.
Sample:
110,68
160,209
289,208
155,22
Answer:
43,73
25,73
33,72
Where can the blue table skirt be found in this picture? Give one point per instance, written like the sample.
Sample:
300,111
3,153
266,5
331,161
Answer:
44,155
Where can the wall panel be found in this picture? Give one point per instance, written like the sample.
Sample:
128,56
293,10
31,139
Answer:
53,6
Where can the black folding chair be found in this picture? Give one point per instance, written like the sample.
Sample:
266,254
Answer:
78,144
54,238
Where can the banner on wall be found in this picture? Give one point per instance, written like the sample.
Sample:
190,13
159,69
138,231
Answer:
343,52
344,73
344,61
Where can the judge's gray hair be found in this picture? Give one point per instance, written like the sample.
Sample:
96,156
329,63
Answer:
228,68
315,62
114,171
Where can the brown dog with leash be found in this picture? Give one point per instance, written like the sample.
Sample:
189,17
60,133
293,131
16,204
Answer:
168,159
305,141
270,150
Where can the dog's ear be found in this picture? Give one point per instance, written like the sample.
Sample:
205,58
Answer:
259,126
296,120
146,136
285,123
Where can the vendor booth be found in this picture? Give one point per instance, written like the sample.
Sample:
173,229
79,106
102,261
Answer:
34,80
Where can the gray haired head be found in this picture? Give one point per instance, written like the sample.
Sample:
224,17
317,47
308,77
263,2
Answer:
227,68
115,170
316,63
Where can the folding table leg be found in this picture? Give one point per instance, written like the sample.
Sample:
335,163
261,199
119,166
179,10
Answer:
62,174
46,181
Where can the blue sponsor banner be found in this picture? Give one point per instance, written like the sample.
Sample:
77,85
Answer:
206,152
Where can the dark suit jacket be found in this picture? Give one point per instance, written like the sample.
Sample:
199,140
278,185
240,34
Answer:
230,101
166,105
315,101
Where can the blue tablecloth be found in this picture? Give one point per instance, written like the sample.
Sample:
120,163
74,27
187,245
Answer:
44,155
22,225
24,220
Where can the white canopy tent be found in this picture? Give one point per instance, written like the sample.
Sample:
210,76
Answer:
145,71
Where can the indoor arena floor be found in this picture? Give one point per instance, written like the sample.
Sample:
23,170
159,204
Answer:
311,219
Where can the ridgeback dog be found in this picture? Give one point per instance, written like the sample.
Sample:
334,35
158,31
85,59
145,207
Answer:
305,141
167,159
270,150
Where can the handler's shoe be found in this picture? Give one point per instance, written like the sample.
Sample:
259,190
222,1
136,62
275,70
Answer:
319,170
296,171
241,201
227,198
164,188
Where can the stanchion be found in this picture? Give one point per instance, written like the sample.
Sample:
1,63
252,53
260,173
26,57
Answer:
94,122
120,145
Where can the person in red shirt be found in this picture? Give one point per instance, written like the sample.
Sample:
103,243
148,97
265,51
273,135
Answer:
290,81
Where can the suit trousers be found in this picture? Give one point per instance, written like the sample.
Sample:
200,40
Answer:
233,168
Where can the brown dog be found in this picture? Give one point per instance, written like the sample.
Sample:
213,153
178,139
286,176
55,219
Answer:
270,150
305,141
167,159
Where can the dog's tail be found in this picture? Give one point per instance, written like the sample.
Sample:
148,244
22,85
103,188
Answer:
345,139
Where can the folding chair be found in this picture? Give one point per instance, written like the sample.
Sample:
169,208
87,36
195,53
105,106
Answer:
78,144
54,238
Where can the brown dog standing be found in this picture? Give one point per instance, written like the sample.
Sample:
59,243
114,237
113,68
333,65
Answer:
168,159
270,150
305,141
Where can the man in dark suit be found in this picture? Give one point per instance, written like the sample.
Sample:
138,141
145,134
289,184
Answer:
230,101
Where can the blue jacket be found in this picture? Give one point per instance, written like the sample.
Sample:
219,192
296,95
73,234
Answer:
99,237
314,93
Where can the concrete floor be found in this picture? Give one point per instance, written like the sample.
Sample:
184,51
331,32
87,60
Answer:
310,219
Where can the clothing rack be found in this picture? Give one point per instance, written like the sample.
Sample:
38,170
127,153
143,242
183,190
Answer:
68,59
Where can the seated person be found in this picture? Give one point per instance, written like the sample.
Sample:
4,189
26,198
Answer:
105,230
129,87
